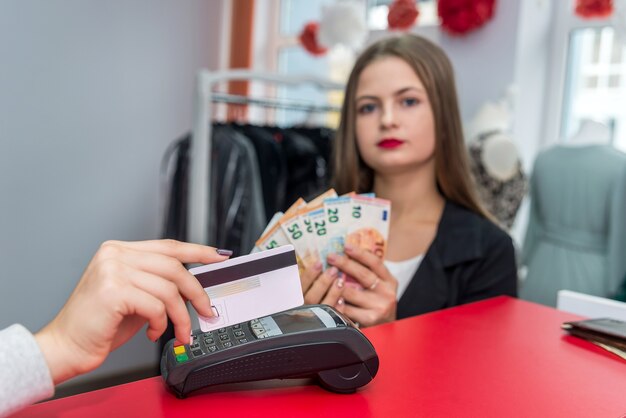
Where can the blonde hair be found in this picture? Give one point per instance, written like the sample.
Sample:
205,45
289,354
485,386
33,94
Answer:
434,69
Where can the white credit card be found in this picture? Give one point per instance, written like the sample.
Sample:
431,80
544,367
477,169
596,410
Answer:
250,286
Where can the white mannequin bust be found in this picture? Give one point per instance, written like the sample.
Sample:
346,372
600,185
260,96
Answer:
499,156
590,132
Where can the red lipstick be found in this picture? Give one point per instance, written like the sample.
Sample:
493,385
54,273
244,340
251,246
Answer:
390,143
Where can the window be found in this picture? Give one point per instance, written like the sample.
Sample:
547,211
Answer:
594,87
377,11
281,27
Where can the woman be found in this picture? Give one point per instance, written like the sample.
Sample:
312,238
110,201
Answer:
400,136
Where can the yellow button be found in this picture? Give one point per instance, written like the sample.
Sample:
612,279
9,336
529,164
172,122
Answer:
179,350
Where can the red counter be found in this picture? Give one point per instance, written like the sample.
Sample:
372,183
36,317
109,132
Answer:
497,358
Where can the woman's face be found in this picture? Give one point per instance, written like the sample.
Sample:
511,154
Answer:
394,121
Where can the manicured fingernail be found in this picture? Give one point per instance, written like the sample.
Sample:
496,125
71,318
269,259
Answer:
222,251
213,311
340,282
348,247
340,301
331,257
332,272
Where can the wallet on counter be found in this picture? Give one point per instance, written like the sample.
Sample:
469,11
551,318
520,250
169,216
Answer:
607,331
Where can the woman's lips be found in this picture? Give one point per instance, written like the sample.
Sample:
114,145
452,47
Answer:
389,143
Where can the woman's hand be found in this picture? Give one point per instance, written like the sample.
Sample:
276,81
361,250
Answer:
322,287
126,285
375,302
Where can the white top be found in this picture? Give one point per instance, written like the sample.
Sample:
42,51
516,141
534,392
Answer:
24,374
404,271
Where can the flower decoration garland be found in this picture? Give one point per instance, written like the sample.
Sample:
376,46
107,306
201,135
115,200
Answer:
461,16
402,14
590,9
309,39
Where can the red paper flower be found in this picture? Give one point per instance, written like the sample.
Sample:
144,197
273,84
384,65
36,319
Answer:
461,16
590,9
308,39
402,14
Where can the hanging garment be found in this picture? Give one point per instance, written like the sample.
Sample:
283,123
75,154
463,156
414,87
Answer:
273,166
238,195
502,196
237,210
175,219
307,173
576,236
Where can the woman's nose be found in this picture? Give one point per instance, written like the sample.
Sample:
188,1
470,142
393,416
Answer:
388,118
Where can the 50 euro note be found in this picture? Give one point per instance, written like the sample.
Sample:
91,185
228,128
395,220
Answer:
275,218
307,242
273,236
295,231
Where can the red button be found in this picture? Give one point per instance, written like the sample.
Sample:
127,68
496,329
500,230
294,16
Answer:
177,343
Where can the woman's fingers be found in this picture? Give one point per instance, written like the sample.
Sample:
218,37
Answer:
356,314
163,266
184,252
167,292
334,294
368,307
309,275
320,286
370,260
147,306
359,272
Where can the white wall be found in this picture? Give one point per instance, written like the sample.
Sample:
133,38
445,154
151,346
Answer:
91,94
484,60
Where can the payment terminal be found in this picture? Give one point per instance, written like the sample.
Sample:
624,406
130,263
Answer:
308,341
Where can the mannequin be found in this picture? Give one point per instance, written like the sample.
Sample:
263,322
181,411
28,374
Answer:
576,231
495,162
500,156
590,132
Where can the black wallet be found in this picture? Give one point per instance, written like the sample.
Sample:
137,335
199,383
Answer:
608,331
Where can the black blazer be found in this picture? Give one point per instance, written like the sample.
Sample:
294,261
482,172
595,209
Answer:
470,259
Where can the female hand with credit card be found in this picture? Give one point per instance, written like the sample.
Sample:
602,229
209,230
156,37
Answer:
125,286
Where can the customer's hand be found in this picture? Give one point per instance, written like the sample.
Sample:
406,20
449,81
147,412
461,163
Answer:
125,285
375,302
322,287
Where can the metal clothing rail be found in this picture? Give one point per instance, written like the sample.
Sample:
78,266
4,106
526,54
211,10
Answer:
200,180
274,103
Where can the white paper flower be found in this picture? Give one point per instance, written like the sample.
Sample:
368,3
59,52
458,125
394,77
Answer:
343,22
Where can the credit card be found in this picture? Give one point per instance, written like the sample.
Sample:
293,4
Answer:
250,286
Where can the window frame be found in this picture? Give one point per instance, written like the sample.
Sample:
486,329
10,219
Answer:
565,22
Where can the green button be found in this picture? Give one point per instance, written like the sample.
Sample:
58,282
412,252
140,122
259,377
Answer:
182,357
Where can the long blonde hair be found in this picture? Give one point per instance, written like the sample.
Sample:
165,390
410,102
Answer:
434,69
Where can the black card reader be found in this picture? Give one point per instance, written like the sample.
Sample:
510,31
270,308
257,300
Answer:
308,341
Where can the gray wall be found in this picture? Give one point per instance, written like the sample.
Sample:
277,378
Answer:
91,94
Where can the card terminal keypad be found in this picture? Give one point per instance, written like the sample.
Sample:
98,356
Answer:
222,338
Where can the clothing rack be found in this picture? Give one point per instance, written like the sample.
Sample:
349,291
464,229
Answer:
200,180
274,103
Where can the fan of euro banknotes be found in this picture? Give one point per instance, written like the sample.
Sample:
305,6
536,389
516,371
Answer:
328,222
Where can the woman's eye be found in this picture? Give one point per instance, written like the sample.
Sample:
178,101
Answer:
410,101
367,108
